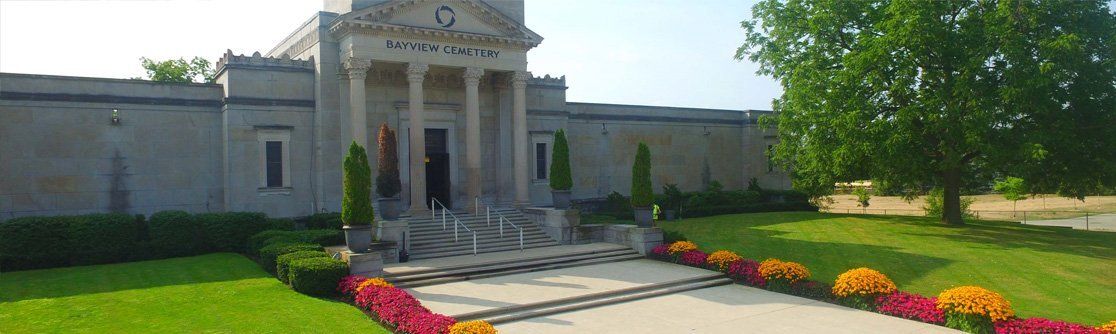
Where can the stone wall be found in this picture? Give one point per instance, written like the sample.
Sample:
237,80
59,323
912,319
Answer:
62,154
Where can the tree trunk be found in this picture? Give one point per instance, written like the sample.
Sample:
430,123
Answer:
951,199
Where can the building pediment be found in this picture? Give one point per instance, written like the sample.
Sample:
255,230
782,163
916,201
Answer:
462,20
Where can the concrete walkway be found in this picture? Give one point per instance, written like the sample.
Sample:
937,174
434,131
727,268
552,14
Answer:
720,309
723,309
1102,222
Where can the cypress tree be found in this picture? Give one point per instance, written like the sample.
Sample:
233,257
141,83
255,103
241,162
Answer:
356,203
560,178
387,178
642,194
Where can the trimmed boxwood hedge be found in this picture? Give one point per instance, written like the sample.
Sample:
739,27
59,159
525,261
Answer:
320,237
227,231
270,253
695,212
327,220
175,233
44,242
283,262
317,276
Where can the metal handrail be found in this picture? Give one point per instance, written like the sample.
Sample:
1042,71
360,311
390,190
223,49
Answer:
456,221
500,219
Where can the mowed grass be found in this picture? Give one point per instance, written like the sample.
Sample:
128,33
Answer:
1044,271
214,293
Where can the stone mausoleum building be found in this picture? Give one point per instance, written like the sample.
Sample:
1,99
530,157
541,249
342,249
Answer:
270,134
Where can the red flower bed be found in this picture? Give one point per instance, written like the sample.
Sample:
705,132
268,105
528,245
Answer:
348,285
746,271
694,258
911,306
1043,326
395,307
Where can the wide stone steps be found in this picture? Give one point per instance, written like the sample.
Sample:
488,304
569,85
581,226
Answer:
418,278
430,237
569,304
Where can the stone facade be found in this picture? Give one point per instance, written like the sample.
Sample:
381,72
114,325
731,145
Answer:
335,79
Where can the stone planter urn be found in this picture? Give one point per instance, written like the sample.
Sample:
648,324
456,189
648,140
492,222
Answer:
643,216
358,238
389,208
561,199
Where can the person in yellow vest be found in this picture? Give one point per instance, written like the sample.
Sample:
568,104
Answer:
656,213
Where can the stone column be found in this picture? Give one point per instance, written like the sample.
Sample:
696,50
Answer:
472,77
415,74
358,121
519,136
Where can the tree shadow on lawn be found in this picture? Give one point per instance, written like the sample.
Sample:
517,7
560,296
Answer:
1099,245
83,280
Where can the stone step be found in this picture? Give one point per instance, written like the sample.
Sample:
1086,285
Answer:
420,271
534,310
469,251
467,244
478,229
468,237
511,268
467,241
465,220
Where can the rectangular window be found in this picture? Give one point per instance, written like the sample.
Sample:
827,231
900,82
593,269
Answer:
540,161
274,161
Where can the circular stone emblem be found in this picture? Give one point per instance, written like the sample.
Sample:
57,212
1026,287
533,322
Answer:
445,16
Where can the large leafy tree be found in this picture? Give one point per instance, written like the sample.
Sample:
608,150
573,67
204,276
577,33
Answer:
934,93
179,70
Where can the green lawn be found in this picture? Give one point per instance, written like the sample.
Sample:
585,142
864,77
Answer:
1044,271
215,293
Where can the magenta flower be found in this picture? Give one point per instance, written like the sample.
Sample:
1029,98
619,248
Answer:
1044,326
747,272
911,306
694,258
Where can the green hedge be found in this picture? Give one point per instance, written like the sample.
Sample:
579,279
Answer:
320,237
283,262
44,242
175,233
227,231
327,220
317,276
694,212
270,253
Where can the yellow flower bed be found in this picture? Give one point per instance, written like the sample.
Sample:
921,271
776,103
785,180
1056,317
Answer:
791,271
1109,327
862,282
679,247
975,300
722,258
373,281
472,327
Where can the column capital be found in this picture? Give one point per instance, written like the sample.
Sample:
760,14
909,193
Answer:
416,72
357,67
473,75
519,79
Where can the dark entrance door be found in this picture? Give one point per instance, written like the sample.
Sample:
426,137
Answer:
438,167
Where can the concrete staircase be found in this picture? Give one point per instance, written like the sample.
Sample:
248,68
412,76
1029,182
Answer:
464,272
428,239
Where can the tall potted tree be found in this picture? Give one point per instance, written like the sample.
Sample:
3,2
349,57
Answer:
642,194
560,179
356,202
387,178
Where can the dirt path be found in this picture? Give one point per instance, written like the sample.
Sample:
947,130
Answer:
986,206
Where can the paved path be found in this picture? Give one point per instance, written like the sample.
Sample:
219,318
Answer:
1104,222
723,309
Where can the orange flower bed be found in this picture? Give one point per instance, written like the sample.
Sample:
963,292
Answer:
1109,327
722,259
373,282
679,247
974,300
863,282
792,272
472,327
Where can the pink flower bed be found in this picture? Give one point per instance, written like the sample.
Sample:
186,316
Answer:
395,307
694,258
1044,326
661,252
911,306
746,271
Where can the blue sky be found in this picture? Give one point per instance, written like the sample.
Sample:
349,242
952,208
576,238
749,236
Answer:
653,52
